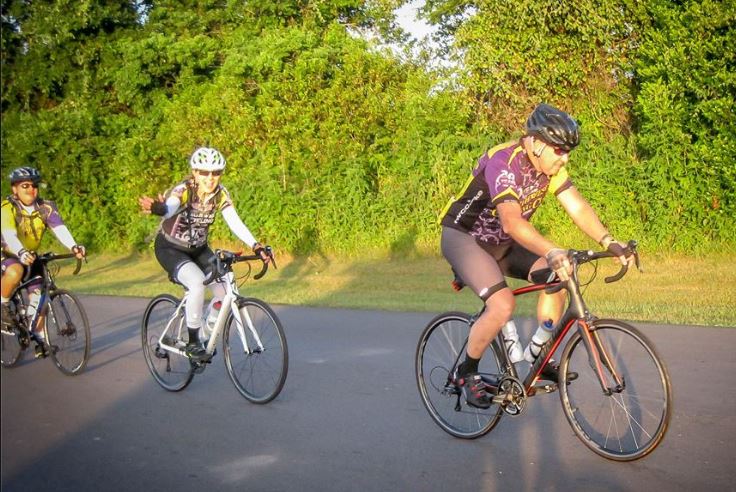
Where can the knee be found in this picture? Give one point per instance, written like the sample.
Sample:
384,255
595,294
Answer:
196,289
13,274
502,304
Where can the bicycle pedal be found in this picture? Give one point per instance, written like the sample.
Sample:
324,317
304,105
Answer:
547,388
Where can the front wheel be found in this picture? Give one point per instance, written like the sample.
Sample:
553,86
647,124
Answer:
256,355
438,353
68,333
164,326
628,422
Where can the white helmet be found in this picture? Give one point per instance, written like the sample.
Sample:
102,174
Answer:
207,159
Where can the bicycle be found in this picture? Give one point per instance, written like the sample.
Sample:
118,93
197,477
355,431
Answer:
619,405
254,343
66,328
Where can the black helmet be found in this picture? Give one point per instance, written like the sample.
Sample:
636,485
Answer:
554,127
25,174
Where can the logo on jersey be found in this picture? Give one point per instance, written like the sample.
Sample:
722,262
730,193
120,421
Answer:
505,179
467,206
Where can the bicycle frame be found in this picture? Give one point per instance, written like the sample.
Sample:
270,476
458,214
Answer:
576,313
47,287
229,304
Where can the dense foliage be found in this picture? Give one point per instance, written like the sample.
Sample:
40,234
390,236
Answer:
336,144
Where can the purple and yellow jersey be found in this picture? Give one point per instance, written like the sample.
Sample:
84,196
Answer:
29,225
504,173
190,224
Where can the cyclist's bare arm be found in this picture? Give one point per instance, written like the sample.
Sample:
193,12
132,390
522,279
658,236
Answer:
583,215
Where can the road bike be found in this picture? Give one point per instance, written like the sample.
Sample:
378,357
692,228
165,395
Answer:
614,388
67,337
253,340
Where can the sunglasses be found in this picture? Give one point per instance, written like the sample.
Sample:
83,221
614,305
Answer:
207,173
26,186
558,151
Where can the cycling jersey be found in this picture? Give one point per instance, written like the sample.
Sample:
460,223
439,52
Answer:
504,173
28,223
189,225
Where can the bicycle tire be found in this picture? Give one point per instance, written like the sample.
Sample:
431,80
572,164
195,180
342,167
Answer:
644,407
439,346
67,332
10,348
171,370
260,375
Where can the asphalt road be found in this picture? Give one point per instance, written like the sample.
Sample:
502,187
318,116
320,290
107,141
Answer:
349,419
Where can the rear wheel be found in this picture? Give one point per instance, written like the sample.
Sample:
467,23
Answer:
630,422
10,349
68,333
439,350
256,355
163,327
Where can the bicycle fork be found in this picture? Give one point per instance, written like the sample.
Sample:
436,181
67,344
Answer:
599,358
243,319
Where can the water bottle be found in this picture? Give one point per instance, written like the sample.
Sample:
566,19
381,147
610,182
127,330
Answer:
214,312
543,333
33,299
511,341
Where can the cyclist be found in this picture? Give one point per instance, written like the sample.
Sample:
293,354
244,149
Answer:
24,218
181,245
486,233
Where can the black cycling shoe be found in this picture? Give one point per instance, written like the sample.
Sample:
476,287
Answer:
474,390
551,372
40,351
195,351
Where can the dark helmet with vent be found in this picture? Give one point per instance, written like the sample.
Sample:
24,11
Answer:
25,174
553,126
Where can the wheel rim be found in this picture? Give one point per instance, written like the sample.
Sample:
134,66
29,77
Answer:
10,349
68,333
437,351
171,370
623,426
260,375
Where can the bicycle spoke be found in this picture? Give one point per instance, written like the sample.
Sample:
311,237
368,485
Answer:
161,327
68,332
256,354
621,426
441,343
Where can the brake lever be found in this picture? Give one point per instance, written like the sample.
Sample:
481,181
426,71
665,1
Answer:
637,261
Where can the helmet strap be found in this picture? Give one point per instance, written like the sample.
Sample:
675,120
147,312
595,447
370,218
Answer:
538,152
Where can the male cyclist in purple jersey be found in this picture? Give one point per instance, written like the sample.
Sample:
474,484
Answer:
181,246
486,233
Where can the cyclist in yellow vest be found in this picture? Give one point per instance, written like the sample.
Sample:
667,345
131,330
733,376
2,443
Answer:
24,218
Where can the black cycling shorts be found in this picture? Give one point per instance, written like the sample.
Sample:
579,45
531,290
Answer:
485,266
172,256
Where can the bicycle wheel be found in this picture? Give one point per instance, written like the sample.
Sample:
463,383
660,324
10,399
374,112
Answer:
257,367
442,341
67,332
10,349
161,322
625,425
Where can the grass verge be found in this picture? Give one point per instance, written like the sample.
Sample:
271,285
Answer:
678,290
